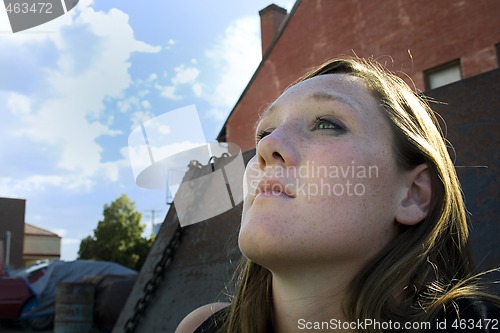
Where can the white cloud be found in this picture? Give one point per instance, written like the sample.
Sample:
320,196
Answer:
146,104
197,89
139,117
237,54
18,104
65,117
167,92
170,44
185,75
127,104
42,183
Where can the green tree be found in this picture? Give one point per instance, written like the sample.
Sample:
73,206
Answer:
118,236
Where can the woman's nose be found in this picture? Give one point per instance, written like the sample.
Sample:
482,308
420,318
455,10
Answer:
277,149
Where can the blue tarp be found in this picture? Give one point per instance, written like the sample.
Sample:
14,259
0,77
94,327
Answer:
67,271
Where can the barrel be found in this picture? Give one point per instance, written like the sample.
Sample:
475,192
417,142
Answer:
74,308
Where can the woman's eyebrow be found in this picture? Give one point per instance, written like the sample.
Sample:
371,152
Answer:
267,112
320,96
331,97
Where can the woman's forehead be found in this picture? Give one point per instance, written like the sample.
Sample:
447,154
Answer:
341,88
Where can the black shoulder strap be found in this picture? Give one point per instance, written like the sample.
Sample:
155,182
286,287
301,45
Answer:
213,323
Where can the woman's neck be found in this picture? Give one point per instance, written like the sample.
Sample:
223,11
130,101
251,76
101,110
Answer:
304,301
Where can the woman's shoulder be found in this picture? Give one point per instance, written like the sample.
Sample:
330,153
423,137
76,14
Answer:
199,316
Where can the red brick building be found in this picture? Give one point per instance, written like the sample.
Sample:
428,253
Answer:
448,38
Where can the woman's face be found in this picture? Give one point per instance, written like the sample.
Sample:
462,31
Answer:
324,184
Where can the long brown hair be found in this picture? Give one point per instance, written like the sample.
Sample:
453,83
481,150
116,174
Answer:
429,264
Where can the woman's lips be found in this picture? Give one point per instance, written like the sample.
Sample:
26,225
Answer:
269,187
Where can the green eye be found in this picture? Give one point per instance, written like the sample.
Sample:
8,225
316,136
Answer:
323,124
328,124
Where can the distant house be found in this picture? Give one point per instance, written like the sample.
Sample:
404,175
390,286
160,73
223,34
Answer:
40,244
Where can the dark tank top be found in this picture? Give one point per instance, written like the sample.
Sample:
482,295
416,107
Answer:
474,315
213,323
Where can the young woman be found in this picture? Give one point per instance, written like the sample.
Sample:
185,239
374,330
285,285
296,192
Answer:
353,218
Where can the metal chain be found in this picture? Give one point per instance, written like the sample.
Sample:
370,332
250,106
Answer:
151,285
165,260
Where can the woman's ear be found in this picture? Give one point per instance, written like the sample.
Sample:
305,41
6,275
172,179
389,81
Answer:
416,198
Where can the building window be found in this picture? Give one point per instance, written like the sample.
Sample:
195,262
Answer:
443,75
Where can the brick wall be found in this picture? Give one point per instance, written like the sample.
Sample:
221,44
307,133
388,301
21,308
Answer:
435,32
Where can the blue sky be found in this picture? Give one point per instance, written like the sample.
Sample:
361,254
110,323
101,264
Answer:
73,89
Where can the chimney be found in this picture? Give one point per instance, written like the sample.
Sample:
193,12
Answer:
271,19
